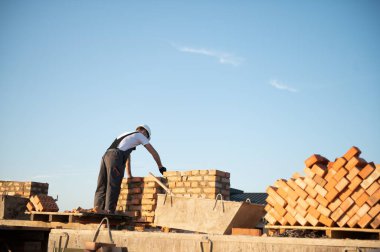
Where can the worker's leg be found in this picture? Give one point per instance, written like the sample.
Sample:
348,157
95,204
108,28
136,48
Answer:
101,188
115,168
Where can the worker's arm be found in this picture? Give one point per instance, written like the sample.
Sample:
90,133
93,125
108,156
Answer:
154,154
128,167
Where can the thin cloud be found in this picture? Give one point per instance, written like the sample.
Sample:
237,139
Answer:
282,86
222,57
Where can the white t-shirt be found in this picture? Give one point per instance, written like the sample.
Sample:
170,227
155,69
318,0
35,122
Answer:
132,141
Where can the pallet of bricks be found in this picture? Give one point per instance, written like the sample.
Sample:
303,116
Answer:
138,198
343,193
23,189
199,183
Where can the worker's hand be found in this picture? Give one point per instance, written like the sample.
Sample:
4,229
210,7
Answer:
162,170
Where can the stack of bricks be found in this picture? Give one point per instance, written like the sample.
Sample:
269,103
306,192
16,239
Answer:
23,189
342,193
199,183
138,198
42,203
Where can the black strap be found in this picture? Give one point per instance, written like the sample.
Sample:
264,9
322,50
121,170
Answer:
117,141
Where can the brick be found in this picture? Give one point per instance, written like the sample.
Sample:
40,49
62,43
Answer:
311,192
272,192
279,209
281,183
300,192
319,169
366,171
339,163
362,199
148,201
374,198
196,184
375,223
290,219
171,173
319,180
196,178
194,190
211,190
347,204
301,202
246,231
147,213
352,152
337,214
309,173
363,210
218,173
320,190
365,220
212,178
271,220
314,212
174,179
353,220
314,159
326,221
296,175
355,182
343,220
331,184
312,220
321,200
150,190
352,173
331,194
375,210
334,204
342,172
344,195
310,182
341,184
148,207
355,162
373,188
178,190
324,211
370,179
352,211
300,219
300,182
185,173
330,174
300,210
312,202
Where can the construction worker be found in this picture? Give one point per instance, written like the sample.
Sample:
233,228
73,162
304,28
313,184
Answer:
116,158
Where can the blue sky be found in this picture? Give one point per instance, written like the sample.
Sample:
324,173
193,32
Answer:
248,87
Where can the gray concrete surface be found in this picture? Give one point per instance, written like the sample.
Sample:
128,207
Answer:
179,242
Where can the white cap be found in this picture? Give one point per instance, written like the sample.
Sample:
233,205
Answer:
147,129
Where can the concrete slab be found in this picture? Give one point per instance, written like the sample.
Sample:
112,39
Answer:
176,242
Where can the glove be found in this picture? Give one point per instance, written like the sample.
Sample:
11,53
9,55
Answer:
162,170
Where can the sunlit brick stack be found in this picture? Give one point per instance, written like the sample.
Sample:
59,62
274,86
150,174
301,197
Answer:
23,189
199,183
42,203
342,193
138,198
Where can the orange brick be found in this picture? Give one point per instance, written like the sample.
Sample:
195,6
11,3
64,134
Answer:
362,199
370,179
311,219
271,220
310,182
324,211
280,210
363,210
374,198
300,192
341,184
352,211
301,183
319,180
375,210
352,152
311,192
343,196
272,192
300,219
365,220
331,194
355,162
352,173
326,221
314,159
320,190
340,174
343,220
309,173
246,231
334,204
300,210
312,202
296,175
319,169
330,174
376,222
357,193
314,212
337,214
331,184
321,200
367,170
290,219
301,202
281,183
373,188
355,182
338,163
291,202
346,204
353,220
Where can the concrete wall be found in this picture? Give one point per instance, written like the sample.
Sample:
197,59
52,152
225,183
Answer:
175,242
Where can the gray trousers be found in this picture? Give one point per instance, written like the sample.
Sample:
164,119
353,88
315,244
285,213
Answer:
112,167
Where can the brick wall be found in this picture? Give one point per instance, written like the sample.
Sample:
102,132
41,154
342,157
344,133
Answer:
23,189
199,183
138,195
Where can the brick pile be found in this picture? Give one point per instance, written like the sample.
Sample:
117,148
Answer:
342,193
42,203
199,183
23,189
138,198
